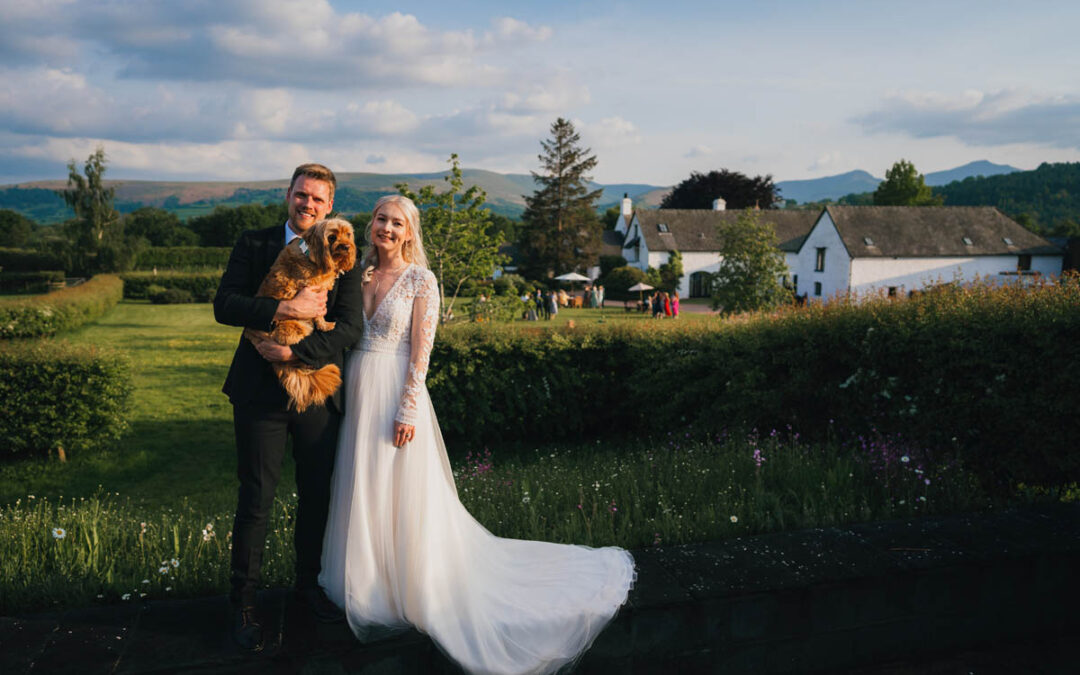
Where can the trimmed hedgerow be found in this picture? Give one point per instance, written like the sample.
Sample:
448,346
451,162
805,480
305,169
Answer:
988,374
201,285
26,260
30,282
189,258
57,396
59,311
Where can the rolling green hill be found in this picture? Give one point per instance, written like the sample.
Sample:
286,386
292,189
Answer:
356,192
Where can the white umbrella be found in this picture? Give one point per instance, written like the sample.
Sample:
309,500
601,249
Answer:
571,277
639,287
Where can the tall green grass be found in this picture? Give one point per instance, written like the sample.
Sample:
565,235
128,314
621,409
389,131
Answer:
631,494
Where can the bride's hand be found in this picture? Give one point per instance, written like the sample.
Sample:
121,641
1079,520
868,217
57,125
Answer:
403,433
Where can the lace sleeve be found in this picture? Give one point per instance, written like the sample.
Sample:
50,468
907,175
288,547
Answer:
425,317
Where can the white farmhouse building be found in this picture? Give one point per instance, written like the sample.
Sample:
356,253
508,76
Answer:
846,249
899,249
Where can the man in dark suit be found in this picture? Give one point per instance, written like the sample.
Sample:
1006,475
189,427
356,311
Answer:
261,417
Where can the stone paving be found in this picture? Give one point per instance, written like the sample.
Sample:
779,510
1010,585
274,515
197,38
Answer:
960,594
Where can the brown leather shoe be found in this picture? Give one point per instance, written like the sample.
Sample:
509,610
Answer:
247,632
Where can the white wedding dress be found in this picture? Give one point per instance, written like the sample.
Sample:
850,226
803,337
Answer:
401,551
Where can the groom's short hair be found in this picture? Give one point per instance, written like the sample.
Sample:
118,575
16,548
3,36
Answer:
318,172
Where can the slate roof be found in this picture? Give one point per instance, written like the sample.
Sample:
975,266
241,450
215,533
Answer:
695,229
933,231
611,243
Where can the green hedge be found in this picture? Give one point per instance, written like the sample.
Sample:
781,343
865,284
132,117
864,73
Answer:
187,258
62,310
26,260
201,285
30,282
989,375
54,395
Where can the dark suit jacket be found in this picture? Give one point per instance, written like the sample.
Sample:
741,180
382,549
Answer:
250,378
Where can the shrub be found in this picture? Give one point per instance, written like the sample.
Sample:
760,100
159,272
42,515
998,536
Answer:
617,281
26,260
60,396
985,374
169,296
201,285
62,310
30,282
186,258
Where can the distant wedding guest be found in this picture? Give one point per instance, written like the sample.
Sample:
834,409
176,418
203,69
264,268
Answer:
600,295
541,305
657,305
552,305
667,304
594,298
564,299
675,304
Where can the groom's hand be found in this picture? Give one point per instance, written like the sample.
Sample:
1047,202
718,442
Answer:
272,351
308,304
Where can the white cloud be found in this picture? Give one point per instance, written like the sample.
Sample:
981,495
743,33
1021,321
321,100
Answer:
698,151
974,117
610,131
509,29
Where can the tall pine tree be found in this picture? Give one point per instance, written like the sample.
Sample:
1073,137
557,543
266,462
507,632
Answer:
561,231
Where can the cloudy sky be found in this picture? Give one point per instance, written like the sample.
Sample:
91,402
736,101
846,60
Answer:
247,89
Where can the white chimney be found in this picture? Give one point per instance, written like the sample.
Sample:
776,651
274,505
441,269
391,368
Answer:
627,205
719,204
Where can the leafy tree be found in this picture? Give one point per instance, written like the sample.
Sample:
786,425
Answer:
610,262
460,241
560,230
671,272
15,228
611,217
96,224
222,227
617,281
506,226
158,227
751,266
738,190
904,186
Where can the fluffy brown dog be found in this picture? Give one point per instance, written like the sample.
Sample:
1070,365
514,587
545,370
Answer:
313,260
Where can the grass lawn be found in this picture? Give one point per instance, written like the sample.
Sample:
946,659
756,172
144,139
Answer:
180,444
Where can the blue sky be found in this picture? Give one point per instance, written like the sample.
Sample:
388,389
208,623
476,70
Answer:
247,89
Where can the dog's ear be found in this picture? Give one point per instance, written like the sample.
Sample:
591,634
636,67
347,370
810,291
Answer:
348,260
318,250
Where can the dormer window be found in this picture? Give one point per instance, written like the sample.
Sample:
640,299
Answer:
662,227
1008,242
968,242
868,241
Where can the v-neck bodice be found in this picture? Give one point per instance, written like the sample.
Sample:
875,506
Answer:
389,327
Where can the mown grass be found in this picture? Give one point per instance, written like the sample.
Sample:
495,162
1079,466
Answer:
181,442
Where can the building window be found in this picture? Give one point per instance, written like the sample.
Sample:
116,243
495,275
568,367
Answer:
1023,262
819,263
817,286
892,291
662,227
795,283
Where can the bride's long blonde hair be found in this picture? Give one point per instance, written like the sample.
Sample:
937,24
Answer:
412,251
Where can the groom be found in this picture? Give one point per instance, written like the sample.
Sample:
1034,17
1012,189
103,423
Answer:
261,418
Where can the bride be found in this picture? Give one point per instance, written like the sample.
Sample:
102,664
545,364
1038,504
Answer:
400,550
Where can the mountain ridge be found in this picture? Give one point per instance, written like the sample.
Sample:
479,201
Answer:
357,191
